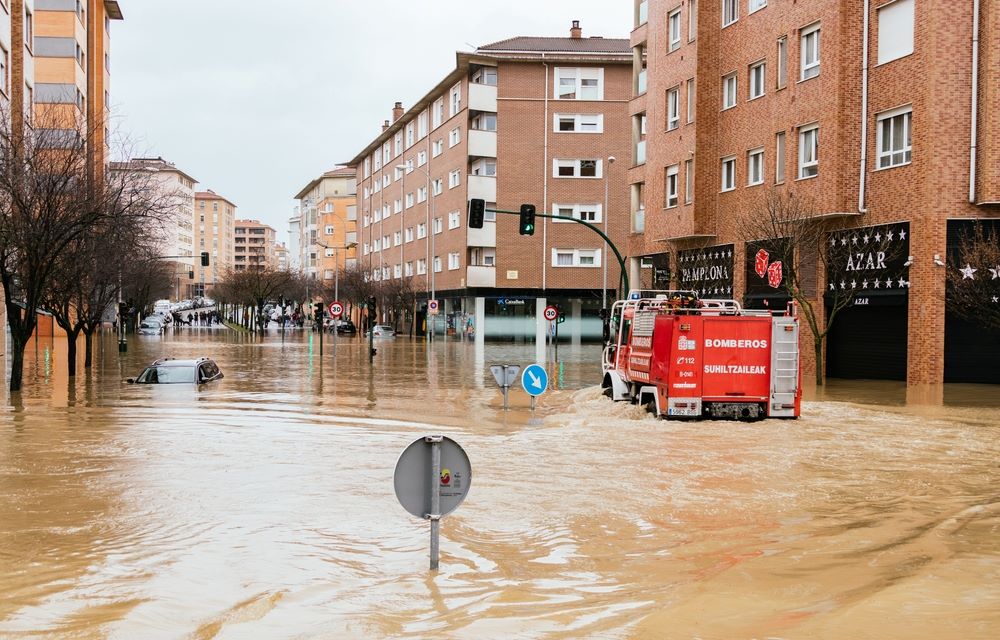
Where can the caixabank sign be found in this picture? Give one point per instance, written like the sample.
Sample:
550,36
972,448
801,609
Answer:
708,270
867,287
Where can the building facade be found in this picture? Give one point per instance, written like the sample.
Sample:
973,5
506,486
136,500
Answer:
736,101
214,232
254,245
528,120
328,216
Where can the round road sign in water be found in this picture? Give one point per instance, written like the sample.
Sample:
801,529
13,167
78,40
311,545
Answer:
413,482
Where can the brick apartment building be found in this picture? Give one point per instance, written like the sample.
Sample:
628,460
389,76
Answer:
524,120
214,232
326,225
865,108
253,245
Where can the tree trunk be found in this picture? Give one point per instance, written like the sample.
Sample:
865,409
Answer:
820,369
17,346
71,352
88,358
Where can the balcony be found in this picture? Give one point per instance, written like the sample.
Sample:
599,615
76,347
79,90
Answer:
482,97
485,237
639,221
483,144
481,276
640,153
484,187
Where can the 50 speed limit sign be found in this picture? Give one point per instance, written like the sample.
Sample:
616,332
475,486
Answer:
550,313
336,309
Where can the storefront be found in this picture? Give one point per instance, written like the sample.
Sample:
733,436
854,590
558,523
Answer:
971,346
768,267
868,289
708,271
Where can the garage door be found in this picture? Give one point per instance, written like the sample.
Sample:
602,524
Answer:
868,343
971,352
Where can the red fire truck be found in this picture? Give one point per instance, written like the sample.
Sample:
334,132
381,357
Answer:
695,358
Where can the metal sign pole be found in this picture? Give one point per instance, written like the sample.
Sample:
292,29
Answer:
435,515
504,388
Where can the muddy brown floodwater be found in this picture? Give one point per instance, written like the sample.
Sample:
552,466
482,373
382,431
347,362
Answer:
262,506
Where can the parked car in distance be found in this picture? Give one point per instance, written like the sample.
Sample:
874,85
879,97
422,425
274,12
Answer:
151,327
346,327
383,331
177,371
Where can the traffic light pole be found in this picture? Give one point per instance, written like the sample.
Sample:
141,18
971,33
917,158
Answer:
621,261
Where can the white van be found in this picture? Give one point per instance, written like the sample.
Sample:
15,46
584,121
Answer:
162,306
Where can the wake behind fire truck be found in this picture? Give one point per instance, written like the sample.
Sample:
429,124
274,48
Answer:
695,358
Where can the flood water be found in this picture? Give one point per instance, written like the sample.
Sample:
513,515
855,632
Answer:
262,506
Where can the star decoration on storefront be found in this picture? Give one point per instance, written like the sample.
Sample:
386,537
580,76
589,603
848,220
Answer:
864,284
995,272
902,234
968,272
865,238
995,299
888,235
876,283
854,283
854,239
904,283
878,237
888,283
843,285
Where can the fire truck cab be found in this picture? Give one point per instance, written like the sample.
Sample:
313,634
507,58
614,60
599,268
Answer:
695,358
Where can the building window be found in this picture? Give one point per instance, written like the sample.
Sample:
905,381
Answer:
671,186
454,220
409,136
729,91
29,29
809,151
397,205
576,168
673,108
755,5
437,264
895,30
584,212
438,226
4,70
757,75
421,158
729,173
409,200
453,261
397,238
484,122
421,267
398,144
674,29
454,137
454,178
484,167
688,181
578,123
437,186
421,194
576,257
456,99
782,79
690,100
810,52
893,133
485,75
408,234
422,125
730,12
437,147
408,269
328,230
692,19
755,167
779,157
583,83
437,113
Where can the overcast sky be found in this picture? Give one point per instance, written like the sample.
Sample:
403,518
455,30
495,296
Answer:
255,98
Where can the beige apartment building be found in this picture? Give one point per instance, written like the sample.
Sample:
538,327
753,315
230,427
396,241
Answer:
884,115
527,120
253,245
214,232
326,229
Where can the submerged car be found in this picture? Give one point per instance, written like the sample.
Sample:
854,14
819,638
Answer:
151,326
177,371
346,327
383,331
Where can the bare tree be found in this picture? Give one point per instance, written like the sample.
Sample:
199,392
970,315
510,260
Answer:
973,289
398,297
800,245
253,287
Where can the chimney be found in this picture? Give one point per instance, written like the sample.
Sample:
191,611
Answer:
397,111
385,125
575,31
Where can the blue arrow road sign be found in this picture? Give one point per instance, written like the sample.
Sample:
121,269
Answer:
534,379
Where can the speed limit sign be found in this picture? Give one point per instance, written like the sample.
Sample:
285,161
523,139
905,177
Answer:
551,313
336,309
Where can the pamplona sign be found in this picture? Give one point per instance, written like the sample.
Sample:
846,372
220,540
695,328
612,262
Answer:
868,262
708,270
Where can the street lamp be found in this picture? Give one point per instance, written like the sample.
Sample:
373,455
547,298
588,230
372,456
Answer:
430,233
336,265
604,254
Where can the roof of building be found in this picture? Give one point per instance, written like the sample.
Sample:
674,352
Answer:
593,44
148,164
338,172
253,223
211,195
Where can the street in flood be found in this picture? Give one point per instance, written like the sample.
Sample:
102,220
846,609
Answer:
262,505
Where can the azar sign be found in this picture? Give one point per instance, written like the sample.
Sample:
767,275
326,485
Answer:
868,262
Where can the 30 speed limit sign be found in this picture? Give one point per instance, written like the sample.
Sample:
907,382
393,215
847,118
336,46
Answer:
550,313
336,309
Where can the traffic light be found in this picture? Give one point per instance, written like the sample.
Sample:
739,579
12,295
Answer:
318,307
527,220
191,274
122,309
371,303
204,258
477,213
